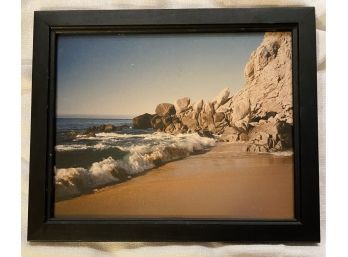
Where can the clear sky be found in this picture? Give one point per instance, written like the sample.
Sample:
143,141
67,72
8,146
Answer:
119,76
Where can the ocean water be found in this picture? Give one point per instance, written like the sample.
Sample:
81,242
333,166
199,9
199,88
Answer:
83,163
79,124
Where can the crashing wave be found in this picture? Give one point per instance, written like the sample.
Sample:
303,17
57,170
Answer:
155,150
74,147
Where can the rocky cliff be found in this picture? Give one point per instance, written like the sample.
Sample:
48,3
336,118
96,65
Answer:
260,113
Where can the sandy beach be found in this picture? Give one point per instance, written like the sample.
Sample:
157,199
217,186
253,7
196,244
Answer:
224,182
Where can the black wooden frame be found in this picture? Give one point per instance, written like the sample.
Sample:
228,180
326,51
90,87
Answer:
48,24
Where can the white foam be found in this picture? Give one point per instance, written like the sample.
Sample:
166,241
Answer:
283,153
71,181
100,146
75,181
62,148
101,172
75,147
166,148
117,135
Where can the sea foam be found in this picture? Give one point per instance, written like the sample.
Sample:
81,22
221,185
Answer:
283,153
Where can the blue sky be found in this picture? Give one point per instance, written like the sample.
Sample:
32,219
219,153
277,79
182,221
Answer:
118,76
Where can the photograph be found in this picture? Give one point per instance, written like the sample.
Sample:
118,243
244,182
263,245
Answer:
182,126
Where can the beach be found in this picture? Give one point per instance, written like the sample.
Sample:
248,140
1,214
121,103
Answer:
224,182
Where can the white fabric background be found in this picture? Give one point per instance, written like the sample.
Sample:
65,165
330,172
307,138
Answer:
163,249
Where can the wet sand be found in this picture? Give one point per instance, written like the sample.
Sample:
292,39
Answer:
222,183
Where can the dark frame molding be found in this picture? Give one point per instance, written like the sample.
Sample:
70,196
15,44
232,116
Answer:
48,24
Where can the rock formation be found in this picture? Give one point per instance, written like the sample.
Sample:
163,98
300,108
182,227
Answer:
142,121
259,114
265,102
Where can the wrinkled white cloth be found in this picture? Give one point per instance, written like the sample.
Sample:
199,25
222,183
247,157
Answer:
163,249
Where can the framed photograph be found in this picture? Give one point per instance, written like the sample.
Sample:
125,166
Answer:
174,125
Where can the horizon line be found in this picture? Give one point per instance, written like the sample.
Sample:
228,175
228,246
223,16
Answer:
95,116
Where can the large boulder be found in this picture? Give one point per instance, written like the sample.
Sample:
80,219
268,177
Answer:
197,107
206,121
165,109
226,107
221,98
208,108
230,135
182,104
270,135
190,121
142,121
240,109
